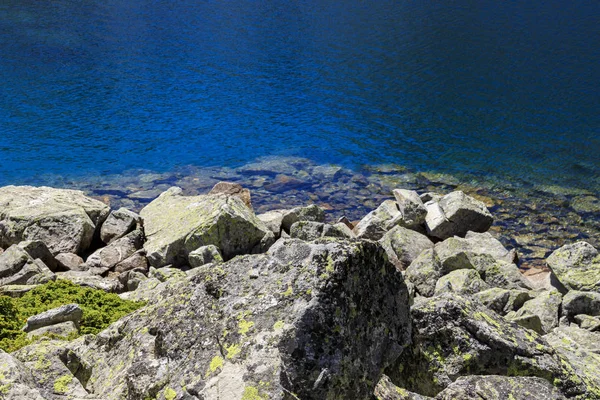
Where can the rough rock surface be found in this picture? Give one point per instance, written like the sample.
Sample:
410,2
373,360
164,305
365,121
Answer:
577,266
68,261
60,329
411,207
65,220
307,320
386,390
311,213
118,224
68,312
376,223
546,306
38,249
576,302
460,214
233,189
461,281
16,382
306,230
83,278
136,261
18,268
403,245
175,225
106,258
492,387
454,336
205,255
424,272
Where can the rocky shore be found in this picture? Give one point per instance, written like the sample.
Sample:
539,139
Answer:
416,299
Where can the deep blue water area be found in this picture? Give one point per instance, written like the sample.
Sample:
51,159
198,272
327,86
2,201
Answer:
490,88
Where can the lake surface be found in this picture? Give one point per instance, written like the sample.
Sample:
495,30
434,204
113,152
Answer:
505,89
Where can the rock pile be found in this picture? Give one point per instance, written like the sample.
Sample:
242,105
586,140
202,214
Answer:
416,300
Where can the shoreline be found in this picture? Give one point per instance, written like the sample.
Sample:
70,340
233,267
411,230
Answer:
533,220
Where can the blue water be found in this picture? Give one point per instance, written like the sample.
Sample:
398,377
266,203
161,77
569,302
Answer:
507,88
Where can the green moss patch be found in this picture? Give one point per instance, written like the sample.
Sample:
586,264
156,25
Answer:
100,309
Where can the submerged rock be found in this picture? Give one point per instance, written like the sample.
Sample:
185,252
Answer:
175,225
65,220
319,320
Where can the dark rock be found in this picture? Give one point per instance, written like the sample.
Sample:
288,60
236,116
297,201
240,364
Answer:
38,249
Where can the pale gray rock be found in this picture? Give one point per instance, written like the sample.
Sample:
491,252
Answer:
527,320
165,273
85,279
118,224
106,258
577,266
16,382
60,329
69,261
339,230
136,261
424,272
68,312
307,230
233,189
403,245
65,220
545,305
494,387
386,390
411,207
38,249
461,281
205,255
588,322
456,215
494,298
273,220
175,225
312,213
16,291
18,268
577,302
376,223
504,275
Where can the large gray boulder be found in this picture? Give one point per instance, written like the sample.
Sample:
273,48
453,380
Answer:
175,225
106,258
576,302
546,306
461,281
376,223
577,266
411,207
403,245
424,272
455,215
455,336
320,320
65,220
494,387
18,268
16,381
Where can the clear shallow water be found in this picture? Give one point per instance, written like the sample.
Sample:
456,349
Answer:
483,87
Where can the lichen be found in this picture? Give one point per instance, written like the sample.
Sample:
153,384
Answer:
61,385
244,326
170,394
252,393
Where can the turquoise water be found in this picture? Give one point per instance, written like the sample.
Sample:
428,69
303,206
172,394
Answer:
484,87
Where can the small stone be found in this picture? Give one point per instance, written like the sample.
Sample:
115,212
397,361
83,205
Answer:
165,273
68,312
376,223
311,213
339,230
494,298
69,261
423,272
545,305
526,320
205,255
106,258
118,224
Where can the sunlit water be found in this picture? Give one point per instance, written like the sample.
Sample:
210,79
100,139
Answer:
496,88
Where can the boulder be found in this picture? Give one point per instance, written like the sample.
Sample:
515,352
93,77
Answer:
475,250
273,220
338,230
502,274
403,245
456,215
63,329
493,387
577,266
18,268
85,279
69,261
65,220
494,298
424,272
118,224
311,213
106,258
68,312
386,390
411,207
175,225
233,189
38,249
16,291
461,281
376,223
588,322
166,273
306,230
16,381
320,320
576,302
136,261
580,352
545,305
454,336
527,320
205,255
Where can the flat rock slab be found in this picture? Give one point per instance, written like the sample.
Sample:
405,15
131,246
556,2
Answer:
68,312
65,220
175,225
320,320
